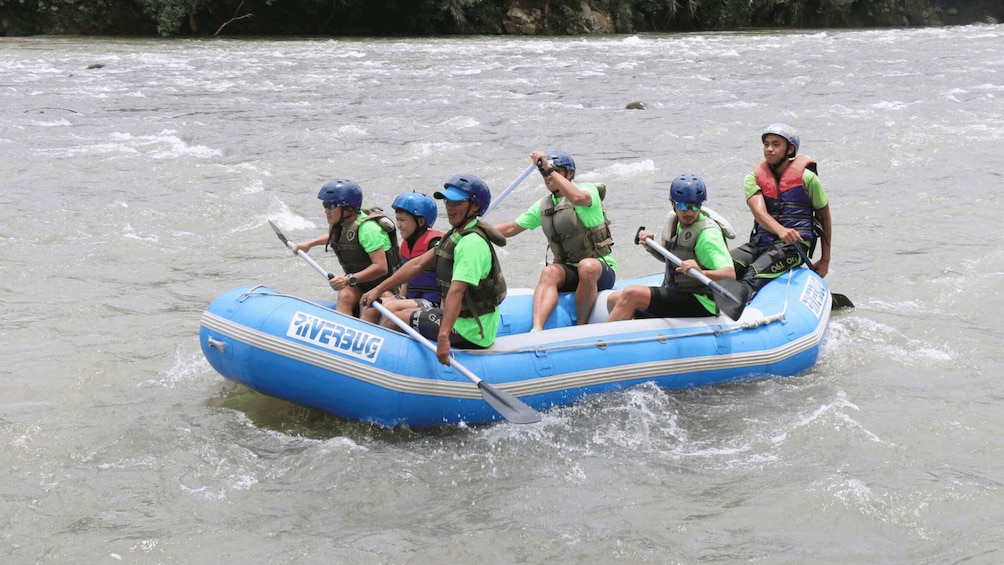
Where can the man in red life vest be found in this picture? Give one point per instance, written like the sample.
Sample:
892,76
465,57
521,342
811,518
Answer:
790,209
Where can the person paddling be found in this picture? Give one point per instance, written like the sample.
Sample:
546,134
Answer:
364,241
697,239
467,271
578,235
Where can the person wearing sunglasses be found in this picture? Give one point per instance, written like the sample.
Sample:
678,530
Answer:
365,242
791,212
698,239
578,235
467,270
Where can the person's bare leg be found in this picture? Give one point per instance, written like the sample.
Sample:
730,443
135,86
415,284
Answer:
585,294
545,296
348,299
634,297
402,309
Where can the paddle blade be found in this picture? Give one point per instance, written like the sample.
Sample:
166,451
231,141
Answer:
279,234
731,297
510,407
840,302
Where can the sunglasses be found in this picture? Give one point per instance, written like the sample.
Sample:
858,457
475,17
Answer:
682,206
331,205
456,202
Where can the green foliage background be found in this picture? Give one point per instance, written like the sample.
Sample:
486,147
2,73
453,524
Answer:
431,17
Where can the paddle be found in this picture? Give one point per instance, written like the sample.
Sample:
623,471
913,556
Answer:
498,199
839,300
282,237
734,306
510,407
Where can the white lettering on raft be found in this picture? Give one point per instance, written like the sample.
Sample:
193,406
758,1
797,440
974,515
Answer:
334,336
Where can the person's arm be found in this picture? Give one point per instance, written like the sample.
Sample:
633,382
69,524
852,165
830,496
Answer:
408,271
712,250
758,206
451,311
642,238
568,189
305,246
509,229
822,266
376,269
713,274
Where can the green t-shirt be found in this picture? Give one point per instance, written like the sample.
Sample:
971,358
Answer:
472,261
712,253
810,180
591,216
372,236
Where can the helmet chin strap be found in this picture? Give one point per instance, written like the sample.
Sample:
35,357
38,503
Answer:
346,215
787,159
469,214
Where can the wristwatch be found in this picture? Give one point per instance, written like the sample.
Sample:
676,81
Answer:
352,279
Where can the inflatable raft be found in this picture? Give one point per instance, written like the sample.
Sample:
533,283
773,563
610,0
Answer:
304,352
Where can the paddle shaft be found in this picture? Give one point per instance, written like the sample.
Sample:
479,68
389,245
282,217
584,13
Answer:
310,260
498,199
693,272
510,407
422,339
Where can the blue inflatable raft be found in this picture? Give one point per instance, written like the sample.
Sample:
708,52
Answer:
304,352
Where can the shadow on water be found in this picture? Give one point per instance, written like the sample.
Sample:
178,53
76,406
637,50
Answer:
275,414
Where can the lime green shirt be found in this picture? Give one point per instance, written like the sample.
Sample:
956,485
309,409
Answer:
472,261
712,253
372,236
591,216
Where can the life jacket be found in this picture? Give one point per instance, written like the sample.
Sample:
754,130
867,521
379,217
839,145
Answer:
351,255
491,290
683,244
787,201
568,238
425,284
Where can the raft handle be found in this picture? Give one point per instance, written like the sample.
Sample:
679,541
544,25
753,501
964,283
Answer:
217,344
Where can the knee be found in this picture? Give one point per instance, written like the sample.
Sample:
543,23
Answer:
590,269
635,296
552,275
612,299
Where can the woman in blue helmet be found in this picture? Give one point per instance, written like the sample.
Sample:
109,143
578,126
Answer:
791,212
364,241
416,213
697,239
467,270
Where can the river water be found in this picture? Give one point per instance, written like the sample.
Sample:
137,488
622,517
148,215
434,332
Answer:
137,190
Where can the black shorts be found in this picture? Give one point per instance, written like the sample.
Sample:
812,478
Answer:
427,322
672,303
605,282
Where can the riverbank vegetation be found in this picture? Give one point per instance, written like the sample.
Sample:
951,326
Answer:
444,17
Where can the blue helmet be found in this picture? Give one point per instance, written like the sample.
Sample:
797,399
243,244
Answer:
466,187
785,131
418,205
688,188
561,159
342,192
